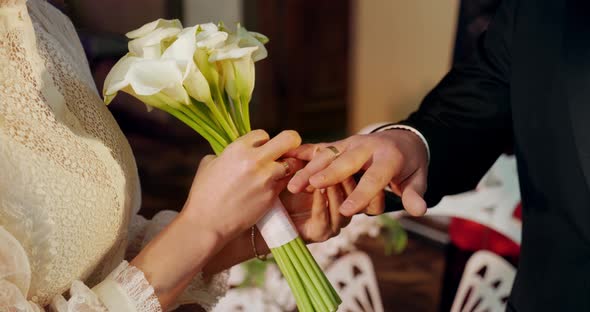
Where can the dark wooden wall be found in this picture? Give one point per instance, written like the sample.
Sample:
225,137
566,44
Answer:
303,83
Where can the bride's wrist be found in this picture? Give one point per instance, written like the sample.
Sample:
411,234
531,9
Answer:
172,259
197,230
215,225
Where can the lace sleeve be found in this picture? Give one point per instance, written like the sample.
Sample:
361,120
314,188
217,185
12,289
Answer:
205,292
125,289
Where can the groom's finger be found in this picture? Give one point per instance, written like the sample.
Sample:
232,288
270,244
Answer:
305,151
412,192
413,202
372,182
376,205
349,184
342,167
322,159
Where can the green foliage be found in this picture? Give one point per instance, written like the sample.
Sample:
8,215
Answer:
394,235
255,272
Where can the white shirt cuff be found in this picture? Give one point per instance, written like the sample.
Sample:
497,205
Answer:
386,126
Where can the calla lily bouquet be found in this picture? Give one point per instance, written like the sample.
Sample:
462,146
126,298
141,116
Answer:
204,76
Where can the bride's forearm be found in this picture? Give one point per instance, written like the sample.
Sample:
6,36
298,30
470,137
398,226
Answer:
169,265
237,251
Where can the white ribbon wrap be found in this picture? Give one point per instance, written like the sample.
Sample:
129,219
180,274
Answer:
276,227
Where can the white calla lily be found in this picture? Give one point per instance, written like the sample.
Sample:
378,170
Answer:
148,77
238,70
231,52
183,48
252,39
150,27
149,40
116,79
150,46
209,27
182,51
258,36
145,77
196,85
239,77
210,37
208,69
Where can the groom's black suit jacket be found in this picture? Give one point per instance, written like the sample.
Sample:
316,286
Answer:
526,88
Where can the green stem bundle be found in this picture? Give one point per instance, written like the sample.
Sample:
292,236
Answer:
312,290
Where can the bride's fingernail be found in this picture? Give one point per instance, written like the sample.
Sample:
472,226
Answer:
323,191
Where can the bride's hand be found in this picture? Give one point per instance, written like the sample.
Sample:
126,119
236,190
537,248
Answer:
233,191
229,194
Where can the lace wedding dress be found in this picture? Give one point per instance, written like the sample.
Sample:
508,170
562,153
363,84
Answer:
69,190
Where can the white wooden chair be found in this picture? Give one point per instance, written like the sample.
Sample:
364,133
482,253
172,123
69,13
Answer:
353,277
487,279
485,285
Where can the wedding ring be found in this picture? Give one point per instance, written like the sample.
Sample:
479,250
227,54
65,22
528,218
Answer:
287,168
334,150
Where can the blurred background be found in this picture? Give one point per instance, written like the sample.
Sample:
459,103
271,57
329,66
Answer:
334,67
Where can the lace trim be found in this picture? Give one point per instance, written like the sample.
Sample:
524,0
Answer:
83,299
206,293
137,287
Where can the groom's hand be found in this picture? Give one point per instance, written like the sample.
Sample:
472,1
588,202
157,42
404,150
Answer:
397,158
316,214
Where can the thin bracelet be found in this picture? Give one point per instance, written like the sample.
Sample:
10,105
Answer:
253,239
